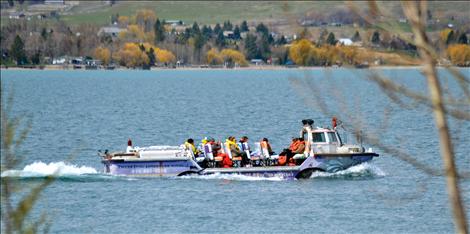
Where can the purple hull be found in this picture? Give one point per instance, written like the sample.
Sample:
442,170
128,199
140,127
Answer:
151,167
185,166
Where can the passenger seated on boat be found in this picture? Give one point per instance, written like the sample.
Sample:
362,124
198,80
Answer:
235,151
190,145
300,147
301,152
282,159
286,157
267,153
294,144
245,147
213,148
268,146
243,143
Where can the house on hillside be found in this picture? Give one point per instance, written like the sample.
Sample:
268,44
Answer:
349,42
345,41
174,23
229,34
112,31
257,62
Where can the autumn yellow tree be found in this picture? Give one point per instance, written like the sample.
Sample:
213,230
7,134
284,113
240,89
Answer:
233,56
123,21
133,32
130,55
459,54
161,55
444,35
301,52
325,55
164,56
348,54
103,54
213,57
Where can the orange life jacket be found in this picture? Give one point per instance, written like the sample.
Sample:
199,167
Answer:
282,160
226,161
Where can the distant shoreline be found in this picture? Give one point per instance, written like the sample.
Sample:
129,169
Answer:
260,67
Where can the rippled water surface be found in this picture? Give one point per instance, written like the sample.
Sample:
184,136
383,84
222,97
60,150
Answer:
75,113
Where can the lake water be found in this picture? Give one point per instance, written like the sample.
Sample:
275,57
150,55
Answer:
76,113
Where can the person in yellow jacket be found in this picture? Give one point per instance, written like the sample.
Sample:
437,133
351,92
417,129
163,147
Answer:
190,145
236,151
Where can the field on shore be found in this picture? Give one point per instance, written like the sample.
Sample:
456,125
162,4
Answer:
201,12
211,12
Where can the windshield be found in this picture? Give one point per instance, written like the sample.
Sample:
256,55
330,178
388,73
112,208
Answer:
332,137
318,137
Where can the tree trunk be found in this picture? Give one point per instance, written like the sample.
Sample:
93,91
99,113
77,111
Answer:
415,14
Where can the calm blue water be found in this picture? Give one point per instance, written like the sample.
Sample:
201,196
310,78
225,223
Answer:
75,113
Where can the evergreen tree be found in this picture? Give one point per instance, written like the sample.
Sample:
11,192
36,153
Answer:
151,56
36,58
220,40
450,37
199,41
281,41
261,28
18,52
463,39
207,31
195,30
375,38
264,47
236,33
159,30
331,39
251,48
244,26
228,26
187,33
356,37
217,29
270,39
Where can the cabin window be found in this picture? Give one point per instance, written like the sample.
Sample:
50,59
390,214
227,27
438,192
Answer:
332,137
318,137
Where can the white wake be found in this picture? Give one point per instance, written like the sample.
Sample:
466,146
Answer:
361,170
237,177
59,169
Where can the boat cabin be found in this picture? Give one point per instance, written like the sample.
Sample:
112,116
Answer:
325,140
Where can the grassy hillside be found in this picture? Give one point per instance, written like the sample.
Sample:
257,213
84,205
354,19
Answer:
211,12
208,12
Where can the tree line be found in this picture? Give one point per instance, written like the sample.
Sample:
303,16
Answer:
146,40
